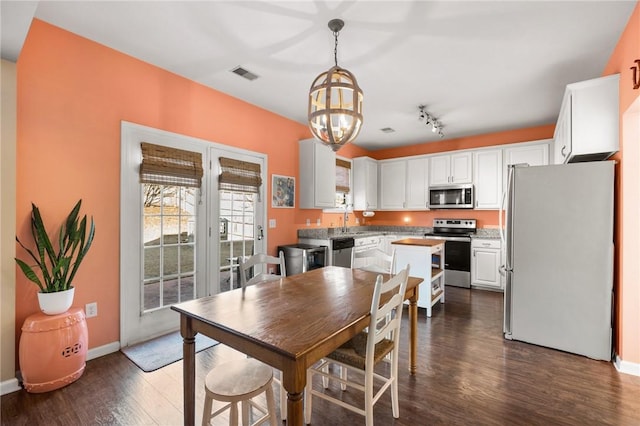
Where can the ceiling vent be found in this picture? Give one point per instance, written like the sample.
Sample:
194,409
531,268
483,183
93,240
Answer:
387,130
244,73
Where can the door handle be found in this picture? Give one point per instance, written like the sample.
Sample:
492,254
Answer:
260,232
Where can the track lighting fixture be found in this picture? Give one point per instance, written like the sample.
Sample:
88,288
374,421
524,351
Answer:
430,120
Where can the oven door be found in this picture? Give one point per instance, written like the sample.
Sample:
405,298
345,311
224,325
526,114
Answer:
457,267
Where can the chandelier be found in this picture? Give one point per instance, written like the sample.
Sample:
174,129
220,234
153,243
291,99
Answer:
335,102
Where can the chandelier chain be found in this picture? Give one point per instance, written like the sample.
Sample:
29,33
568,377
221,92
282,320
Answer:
335,48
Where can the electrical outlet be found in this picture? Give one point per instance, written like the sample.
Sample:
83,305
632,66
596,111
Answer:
91,310
271,271
272,223
308,222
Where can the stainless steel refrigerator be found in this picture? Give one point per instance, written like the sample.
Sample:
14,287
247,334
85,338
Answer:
559,257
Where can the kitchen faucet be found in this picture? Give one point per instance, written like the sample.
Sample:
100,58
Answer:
345,218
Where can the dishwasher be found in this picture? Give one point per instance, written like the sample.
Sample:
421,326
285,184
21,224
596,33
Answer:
341,249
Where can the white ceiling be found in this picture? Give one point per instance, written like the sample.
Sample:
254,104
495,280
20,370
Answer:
478,66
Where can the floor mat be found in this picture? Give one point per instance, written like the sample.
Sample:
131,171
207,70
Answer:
162,351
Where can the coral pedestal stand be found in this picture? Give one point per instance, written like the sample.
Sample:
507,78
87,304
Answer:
53,350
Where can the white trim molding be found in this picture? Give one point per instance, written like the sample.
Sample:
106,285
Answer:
626,367
9,386
103,350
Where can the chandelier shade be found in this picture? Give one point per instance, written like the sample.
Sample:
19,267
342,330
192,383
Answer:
335,107
335,102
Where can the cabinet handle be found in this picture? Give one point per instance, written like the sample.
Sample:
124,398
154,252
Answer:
562,150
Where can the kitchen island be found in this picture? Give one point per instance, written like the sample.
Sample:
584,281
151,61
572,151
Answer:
426,258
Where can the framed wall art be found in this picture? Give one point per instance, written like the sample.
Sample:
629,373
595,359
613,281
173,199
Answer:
283,191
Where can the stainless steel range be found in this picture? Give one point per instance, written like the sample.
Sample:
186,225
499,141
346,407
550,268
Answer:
457,250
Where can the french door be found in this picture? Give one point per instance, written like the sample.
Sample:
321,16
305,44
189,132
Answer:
179,243
240,216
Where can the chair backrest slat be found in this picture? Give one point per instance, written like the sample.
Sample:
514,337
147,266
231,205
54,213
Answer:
245,264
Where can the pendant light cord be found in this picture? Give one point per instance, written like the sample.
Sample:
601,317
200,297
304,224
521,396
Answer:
335,48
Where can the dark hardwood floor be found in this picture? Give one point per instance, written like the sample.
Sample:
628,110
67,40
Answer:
468,374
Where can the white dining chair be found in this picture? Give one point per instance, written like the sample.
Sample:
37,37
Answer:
374,260
364,351
260,261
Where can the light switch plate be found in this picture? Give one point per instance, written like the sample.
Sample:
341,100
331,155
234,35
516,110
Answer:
272,223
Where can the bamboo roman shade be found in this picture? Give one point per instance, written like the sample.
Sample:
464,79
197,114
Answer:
241,176
162,165
343,171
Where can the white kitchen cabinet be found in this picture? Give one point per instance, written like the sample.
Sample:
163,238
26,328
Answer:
487,166
589,122
404,183
417,186
393,178
365,183
451,168
485,263
534,154
317,187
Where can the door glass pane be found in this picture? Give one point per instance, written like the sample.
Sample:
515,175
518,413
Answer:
169,245
237,233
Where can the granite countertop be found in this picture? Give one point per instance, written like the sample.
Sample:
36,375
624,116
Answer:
362,231
381,230
487,234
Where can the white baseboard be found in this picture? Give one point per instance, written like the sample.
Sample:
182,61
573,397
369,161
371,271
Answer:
107,349
13,385
626,366
8,386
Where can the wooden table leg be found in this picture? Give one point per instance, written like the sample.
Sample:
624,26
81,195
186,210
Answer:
413,334
188,370
294,380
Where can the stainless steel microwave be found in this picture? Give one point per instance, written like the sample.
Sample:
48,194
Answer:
451,197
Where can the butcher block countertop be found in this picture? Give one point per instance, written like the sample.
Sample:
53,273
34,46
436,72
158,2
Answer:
418,242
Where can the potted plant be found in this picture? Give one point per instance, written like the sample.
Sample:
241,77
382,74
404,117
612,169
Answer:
57,268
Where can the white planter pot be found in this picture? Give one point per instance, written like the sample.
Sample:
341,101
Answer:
56,303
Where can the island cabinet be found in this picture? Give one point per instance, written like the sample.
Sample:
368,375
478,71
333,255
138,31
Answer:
426,260
317,175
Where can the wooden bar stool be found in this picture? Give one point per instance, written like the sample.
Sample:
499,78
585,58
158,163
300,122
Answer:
240,381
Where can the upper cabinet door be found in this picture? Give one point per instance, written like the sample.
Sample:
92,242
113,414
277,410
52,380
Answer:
451,168
488,178
393,176
365,183
417,183
440,170
317,173
461,167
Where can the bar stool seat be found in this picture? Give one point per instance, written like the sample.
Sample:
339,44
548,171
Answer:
240,381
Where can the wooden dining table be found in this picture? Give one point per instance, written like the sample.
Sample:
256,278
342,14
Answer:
289,324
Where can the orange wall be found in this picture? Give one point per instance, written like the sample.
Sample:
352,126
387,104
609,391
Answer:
72,95
627,303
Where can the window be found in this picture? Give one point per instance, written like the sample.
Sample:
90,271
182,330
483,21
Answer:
343,183
169,224
171,180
